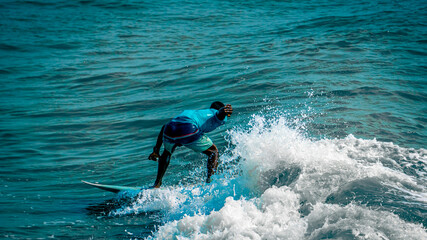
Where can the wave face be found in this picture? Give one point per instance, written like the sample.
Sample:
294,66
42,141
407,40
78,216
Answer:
327,139
292,187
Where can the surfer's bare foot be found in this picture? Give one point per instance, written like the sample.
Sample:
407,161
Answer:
157,185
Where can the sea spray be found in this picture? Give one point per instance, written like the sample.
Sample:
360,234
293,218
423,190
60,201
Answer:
244,219
270,145
358,222
288,183
152,200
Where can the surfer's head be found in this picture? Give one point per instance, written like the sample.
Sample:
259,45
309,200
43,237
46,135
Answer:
217,105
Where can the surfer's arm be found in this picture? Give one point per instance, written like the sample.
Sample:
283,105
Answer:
159,142
156,150
214,118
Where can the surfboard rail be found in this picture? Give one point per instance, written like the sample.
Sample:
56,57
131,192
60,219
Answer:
112,188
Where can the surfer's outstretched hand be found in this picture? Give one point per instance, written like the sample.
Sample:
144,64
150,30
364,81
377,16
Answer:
227,110
154,156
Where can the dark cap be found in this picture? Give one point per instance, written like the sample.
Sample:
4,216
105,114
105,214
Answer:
217,105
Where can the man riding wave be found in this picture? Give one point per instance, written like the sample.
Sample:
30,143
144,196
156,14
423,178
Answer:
188,129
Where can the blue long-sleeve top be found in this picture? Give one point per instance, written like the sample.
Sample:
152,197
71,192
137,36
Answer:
205,120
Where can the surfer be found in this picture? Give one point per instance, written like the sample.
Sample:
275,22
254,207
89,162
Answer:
188,129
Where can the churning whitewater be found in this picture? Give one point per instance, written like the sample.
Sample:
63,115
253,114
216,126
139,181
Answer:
276,183
327,140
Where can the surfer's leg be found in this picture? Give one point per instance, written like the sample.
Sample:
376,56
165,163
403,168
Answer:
163,165
212,154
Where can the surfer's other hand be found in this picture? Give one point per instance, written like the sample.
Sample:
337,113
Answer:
227,110
154,156
208,180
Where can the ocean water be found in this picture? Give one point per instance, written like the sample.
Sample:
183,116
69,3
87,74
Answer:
327,140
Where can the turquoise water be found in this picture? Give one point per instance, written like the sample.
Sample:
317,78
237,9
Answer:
327,139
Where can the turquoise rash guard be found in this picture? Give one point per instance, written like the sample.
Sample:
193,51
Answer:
205,120
190,125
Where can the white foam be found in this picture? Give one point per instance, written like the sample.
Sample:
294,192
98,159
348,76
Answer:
357,222
174,201
165,199
326,164
274,215
264,211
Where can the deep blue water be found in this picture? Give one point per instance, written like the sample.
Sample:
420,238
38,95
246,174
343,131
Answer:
327,140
